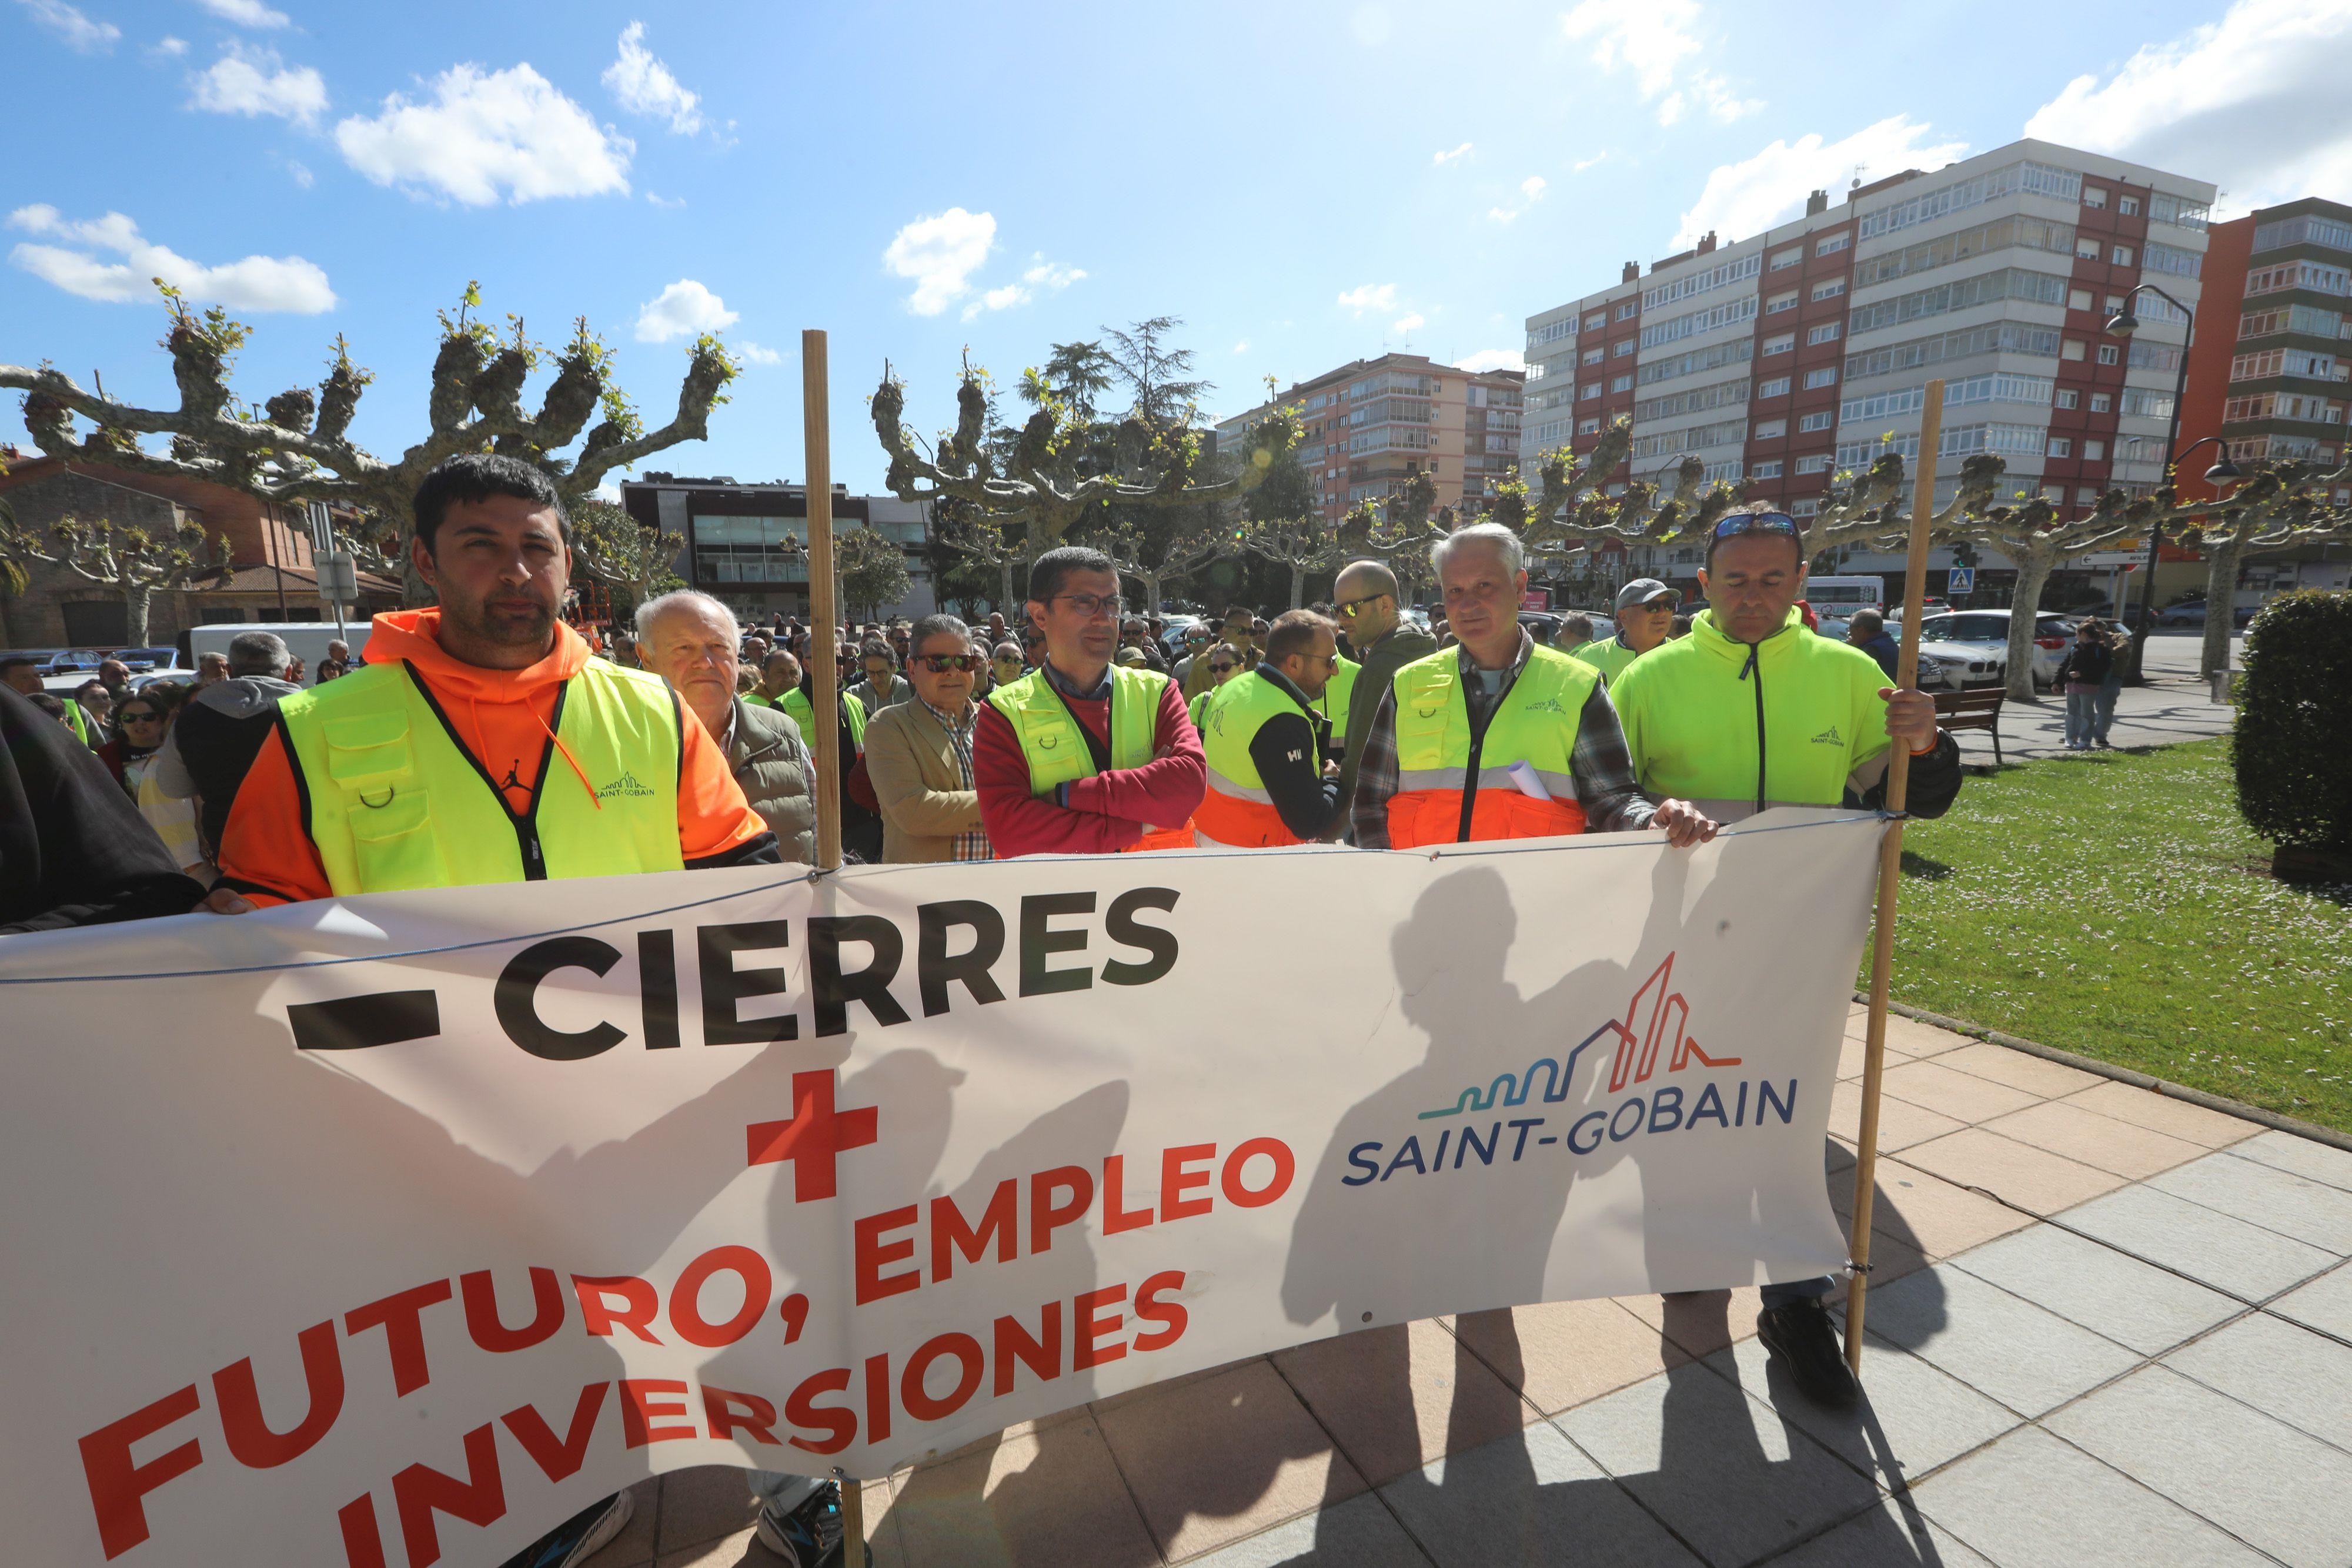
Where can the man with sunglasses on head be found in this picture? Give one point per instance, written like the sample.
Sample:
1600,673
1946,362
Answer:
1749,710
1645,618
1270,780
919,753
1365,596
1083,756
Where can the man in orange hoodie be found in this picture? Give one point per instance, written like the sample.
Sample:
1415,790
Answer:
481,742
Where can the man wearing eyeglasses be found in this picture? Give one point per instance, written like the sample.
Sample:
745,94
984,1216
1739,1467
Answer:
1197,638
1645,616
1269,784
1752,710
919,753
1366,596
1084,756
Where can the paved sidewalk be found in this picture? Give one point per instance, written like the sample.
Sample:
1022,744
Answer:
2106,1328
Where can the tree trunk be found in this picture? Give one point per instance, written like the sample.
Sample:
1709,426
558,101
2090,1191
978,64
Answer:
1005,568
1151,593
2033,569
1297,586
135,601
2222,562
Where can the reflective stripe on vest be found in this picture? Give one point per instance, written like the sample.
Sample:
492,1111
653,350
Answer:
796,705
1237,811
1055,749
395,801
1607,656
1535,723
1333,704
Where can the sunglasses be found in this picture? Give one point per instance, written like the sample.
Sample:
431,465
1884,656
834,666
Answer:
140,717
1759,523
940,663
1223,666
1351,608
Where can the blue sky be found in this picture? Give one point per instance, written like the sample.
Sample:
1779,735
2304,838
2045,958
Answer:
1302,184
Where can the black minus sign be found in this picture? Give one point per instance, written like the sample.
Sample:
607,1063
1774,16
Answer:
1547,1140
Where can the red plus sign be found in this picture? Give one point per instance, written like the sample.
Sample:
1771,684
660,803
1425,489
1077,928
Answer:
813,1135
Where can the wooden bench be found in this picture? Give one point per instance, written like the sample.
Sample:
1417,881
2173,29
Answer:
1978,709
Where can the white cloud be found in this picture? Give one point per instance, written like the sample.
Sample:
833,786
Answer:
485,133
245,13
1741,199
1371,297
1532,188
69,24
683,310
753,353
667,203
1406,323
171,45
1051,273
1003,299
1449,157
1652,39
77,266
645,86
2254,101
301,173
1242,347
1502,215
940,254
1493,360
254,82
1581,164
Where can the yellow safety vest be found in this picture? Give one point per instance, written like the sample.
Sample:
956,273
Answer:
802,712
395,801
1536,723
1237,811
1055,749
1333,704
1734,728
1609,656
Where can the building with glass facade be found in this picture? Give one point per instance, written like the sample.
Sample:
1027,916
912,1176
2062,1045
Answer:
746,544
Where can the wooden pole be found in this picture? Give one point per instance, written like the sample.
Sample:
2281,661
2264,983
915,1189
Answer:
1890,876
825,673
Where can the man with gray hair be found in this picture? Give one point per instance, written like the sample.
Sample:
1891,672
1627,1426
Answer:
1498,738
691,640
213,743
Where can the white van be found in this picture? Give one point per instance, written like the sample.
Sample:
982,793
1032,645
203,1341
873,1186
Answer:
306,639
1844,595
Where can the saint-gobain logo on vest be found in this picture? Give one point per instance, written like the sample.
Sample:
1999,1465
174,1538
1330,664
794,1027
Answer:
1649,1041
626,784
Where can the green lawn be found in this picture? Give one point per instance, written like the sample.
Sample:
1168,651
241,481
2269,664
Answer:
2115,905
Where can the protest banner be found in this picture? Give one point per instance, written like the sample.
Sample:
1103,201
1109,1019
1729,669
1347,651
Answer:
392,1231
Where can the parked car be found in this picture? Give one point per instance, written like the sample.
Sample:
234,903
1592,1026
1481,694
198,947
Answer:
2189,612
138,659
67,660
1974,635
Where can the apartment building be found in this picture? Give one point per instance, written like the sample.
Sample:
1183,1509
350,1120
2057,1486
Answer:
1787,357
745,543
1372,425
2269,375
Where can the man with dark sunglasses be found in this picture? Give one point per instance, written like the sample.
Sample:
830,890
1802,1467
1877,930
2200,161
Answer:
1368,617
1645,619
919,753
1750,711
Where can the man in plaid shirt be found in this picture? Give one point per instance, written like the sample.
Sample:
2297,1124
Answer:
1483,572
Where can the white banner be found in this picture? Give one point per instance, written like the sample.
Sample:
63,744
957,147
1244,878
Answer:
395,1230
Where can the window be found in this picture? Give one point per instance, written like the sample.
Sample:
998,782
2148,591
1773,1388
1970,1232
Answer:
2309,229
1598,319
1674,328
2078,299
2087,248
2030,233
2088,494
2157,257
1827,333
2007,336
1588,426
1814,421
1781,344
2110,354
1737,270
1551,332
1628,309
2095,196
1824,377
1771,429
1737,352
1621,384
2094,451
2062,446
2040,179
1776,387
1817,464
1832,246
2122,256
2102,401
1766,470
2069,398
1829,290
1779,302
2070,349
1788,259
2114,303
1623,348
1983,289
1810,506
2127,205
1592,356
1591,390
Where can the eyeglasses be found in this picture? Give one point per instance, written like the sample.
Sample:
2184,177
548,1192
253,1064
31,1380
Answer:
141,718
1089,605
1757,523
940,663
1221,667
1351,608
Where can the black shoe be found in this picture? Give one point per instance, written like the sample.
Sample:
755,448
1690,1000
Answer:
809,1536
1802,1336
579,1537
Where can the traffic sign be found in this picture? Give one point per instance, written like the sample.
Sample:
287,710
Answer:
1961,580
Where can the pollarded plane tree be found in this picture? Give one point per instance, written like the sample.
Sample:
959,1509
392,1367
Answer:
2036,540
1185,554
298,446
135,563
610,546
2278,506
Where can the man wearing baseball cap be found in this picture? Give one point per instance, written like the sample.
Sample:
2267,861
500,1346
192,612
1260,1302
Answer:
1645,613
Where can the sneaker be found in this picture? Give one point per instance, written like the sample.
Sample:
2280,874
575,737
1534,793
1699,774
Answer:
1801,1335
810,1536
580,1537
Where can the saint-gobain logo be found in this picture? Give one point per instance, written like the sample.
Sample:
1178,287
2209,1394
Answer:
626,784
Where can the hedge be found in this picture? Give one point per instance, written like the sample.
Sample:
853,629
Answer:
2293,748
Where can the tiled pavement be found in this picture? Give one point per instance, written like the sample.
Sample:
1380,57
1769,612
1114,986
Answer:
2106,1328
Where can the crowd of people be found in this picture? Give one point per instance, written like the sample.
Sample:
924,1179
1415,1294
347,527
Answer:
485,739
